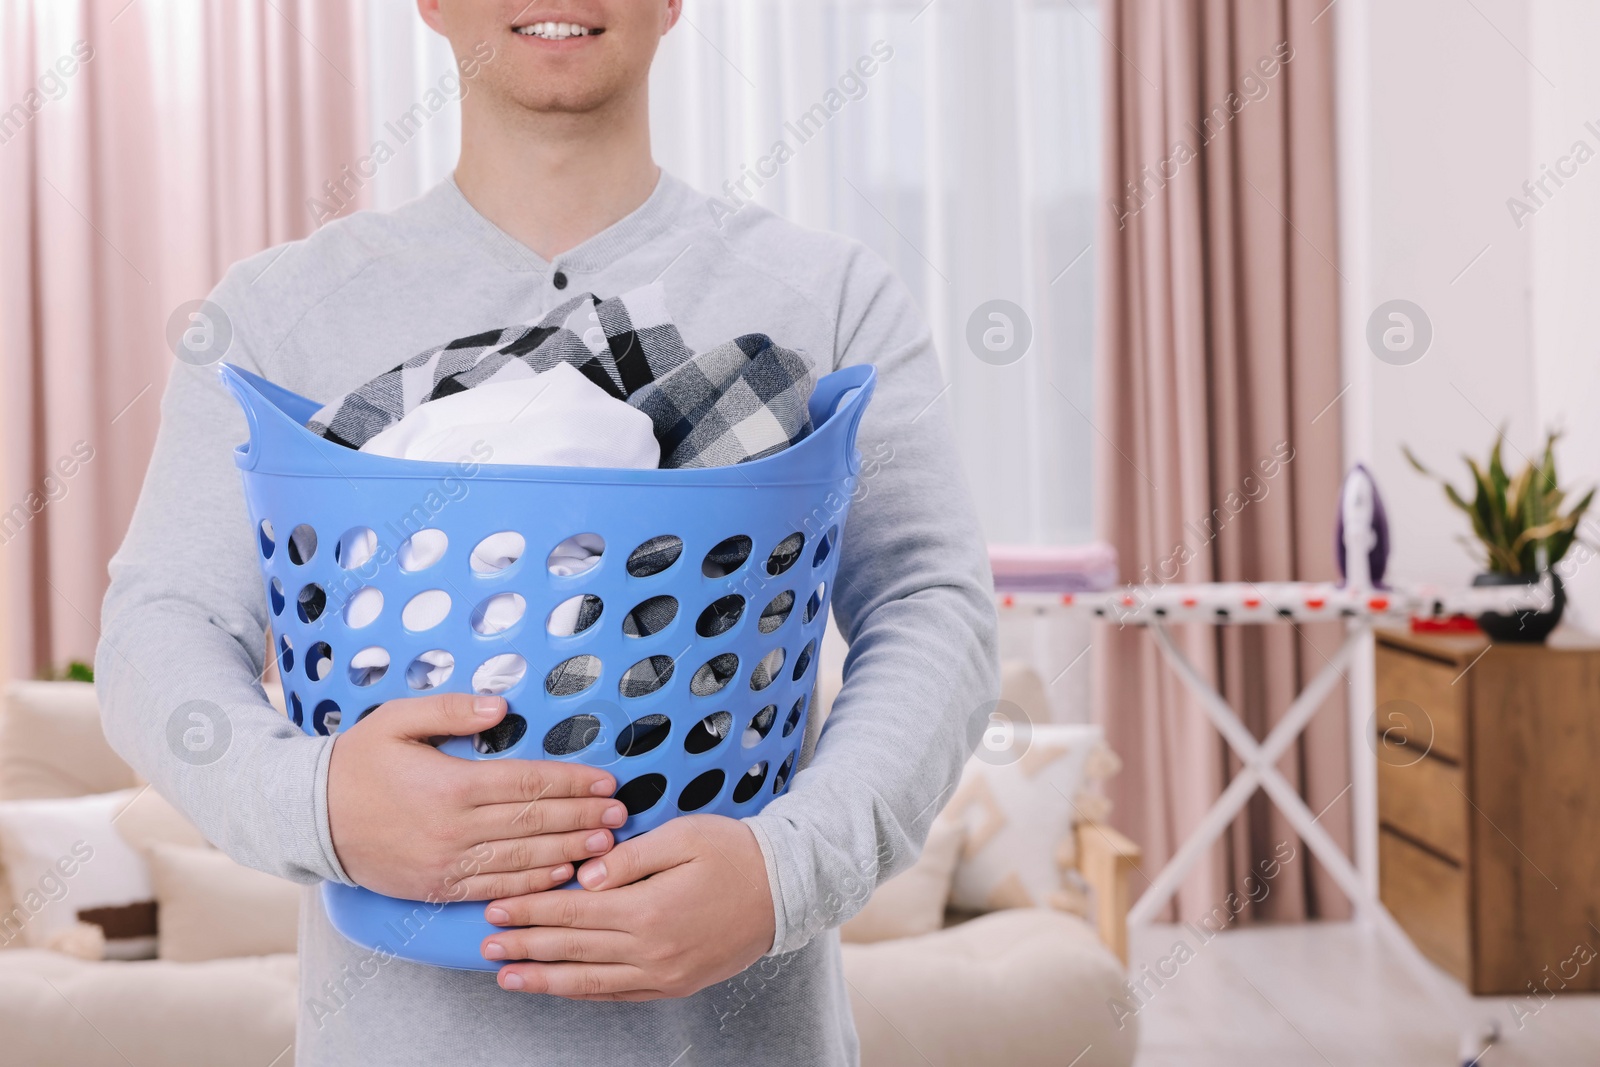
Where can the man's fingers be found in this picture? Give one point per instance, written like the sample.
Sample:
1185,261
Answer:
534,818
569,909
639,857
444,714
508,883
573,979
557,945
517,780
545,850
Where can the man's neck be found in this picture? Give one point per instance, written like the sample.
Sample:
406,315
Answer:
552,181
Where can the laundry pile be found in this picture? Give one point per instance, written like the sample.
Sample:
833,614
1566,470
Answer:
595,383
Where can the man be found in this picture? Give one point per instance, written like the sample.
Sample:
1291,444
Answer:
555,194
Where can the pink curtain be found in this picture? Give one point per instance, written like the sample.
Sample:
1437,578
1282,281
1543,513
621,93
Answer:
146,147
1217,362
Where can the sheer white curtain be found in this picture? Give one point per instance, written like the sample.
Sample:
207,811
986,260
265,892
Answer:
967,157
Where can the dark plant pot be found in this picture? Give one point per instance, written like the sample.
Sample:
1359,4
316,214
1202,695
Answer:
1529,627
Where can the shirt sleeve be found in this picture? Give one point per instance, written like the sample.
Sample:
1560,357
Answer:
914,599
182,642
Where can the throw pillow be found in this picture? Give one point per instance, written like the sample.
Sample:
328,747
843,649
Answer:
66,862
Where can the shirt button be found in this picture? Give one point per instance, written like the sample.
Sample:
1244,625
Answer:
560,280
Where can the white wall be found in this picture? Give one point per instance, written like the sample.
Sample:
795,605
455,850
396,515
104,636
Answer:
1446,110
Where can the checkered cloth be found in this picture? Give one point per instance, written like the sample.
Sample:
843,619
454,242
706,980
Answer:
739,401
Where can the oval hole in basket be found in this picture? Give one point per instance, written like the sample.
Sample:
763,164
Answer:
642,794
655,555
572,735
302,544
650,617
760,725
646,676
425,610
802,662
499,673
794,716
814,605
296,713
776,613
749,783
497,552
501,736
430,670
572,675
574,615
368,666
319,661
423,549
824,550
766,671
708,733
311,602
726,556
268,541
367,711
285,653
702,791
365,605
355,547
785,554
783,774
275,595
576,555
498,613
715,673
643,734
325,717
720,616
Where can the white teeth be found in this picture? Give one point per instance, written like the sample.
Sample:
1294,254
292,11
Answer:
553,31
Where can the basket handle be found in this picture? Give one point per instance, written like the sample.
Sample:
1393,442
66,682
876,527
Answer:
269,410
844,395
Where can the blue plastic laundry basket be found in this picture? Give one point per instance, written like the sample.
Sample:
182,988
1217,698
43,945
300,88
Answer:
746,555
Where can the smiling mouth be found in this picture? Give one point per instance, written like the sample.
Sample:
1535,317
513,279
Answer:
558,31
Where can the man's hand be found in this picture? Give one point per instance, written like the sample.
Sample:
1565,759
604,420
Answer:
671,912
409,821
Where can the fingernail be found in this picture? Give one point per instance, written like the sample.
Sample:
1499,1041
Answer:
497,915
561,873
511,980
592,873
597,841
603,788
494,951
615,815
486,705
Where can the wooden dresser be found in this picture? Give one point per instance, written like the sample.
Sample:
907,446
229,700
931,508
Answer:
1489,806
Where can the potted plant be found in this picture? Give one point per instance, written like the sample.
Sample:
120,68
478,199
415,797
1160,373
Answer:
1519,531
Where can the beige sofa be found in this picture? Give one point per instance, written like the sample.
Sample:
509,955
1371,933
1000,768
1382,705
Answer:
1021,987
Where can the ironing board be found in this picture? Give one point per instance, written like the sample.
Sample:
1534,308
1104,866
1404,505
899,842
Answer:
1359,607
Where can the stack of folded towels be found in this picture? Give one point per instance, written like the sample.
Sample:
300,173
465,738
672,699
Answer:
595,383
1053,568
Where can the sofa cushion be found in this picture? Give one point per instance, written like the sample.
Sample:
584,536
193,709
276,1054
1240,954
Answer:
56,1011
1027,987
211,907
51,744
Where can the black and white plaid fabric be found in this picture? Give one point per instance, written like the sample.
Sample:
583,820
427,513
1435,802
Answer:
620,344
739,401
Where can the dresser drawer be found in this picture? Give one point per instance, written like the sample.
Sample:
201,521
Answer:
1425,799
1428,898
1428,684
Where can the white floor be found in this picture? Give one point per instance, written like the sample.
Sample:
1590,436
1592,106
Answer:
1328,993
